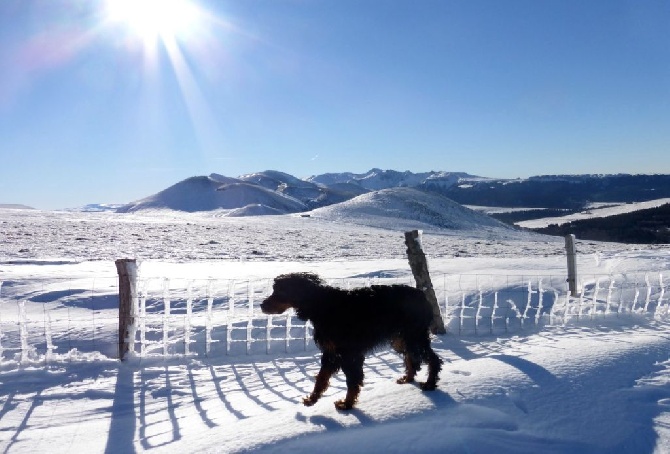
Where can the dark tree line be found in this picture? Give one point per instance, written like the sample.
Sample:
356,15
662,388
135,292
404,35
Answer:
570,192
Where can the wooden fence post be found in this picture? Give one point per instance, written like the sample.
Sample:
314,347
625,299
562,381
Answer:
419,265
572,264
127,271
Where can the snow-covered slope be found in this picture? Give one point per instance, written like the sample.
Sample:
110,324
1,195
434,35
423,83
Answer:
262,193
311,194
406,207
15,206
213,193
593,212
273,179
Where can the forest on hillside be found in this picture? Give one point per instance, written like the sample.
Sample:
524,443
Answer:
650,226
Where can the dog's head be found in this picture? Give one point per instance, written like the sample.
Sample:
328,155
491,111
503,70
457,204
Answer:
289,290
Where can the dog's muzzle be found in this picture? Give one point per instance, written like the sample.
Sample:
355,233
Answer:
272,305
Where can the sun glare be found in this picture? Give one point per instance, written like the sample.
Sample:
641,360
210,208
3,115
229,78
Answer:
152,19
177,32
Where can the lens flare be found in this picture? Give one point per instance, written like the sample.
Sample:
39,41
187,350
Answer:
153,19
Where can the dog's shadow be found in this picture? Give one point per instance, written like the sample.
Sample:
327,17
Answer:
438,397
333,424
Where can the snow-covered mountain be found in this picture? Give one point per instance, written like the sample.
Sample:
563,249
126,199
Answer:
407,207
373,197
214,193
377,179
274,192
311,194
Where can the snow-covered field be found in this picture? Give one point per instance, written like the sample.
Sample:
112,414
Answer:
592,384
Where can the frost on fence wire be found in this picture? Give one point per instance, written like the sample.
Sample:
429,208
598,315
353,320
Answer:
55,320
212,317
491,304
61,319
215,317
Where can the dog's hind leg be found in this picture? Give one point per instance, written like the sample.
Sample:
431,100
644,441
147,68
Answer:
352,366
330,364
412,365
434,368
412,356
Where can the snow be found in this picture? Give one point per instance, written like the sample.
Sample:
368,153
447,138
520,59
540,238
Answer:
408,207
377,179
609,210
592,385
14,206
215,193
500,210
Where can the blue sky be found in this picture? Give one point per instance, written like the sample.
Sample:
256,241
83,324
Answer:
95,107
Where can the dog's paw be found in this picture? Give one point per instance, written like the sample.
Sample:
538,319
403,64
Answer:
404,379
343,404
308,401
428,386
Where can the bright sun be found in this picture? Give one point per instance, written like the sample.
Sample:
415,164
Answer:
151,19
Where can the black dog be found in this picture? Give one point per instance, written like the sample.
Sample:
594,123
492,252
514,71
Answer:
349,324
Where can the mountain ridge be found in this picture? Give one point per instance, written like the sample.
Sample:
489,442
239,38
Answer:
276,192
426,197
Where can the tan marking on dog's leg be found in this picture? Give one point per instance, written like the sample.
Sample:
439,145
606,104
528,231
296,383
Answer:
352,366
410,371
350,400
329,365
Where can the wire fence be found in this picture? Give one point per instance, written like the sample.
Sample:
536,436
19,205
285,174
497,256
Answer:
47,319
67,319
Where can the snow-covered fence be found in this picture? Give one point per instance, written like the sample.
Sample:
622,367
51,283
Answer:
211,317
214,317
494,304
59,319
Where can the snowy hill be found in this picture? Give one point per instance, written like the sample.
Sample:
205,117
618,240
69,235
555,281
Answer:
262,193
214,193
273,192
311,194
405,207
15,206
272,179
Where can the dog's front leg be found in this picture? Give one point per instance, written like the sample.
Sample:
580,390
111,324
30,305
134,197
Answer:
330,364
352,366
